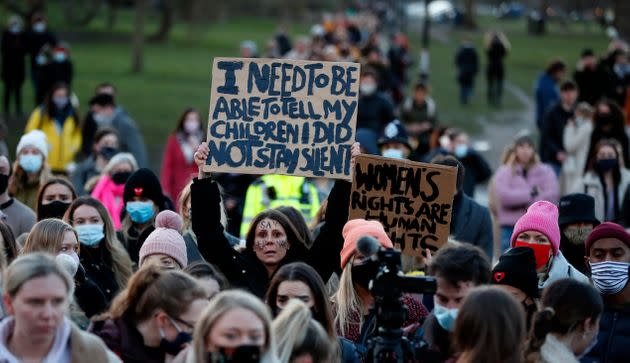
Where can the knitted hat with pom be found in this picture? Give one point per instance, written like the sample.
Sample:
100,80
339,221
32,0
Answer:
357,228
36,139
542,217
166,239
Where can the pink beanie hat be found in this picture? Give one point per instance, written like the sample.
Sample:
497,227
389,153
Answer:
357,228
166,239
542,217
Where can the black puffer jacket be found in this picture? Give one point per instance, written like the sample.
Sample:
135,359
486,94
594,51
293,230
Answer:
613,340
243,269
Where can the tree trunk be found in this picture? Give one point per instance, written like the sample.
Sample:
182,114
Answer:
112,14
469,15
167,12
622,14
137,39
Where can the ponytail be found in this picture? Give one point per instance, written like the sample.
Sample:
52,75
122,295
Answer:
136,287
541,326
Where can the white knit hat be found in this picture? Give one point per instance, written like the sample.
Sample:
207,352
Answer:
36,139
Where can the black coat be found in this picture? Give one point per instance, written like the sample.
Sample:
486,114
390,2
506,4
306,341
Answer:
35,41
98,268
496,53
374,112
477,171
591,83
471,223
467,62
553,125
437,339
13,52
243,269
613,340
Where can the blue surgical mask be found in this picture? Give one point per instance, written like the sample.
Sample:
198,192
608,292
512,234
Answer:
39,27
460,150
394,153
60,102
41,59
588,349
30,163
90,234
445,317
140,212
15,28
60,57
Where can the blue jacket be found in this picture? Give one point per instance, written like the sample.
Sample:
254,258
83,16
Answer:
613,340
547,93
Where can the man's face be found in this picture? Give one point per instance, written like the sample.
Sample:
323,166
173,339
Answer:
609,249
450,296
569,97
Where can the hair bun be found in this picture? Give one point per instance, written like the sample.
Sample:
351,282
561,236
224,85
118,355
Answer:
169,219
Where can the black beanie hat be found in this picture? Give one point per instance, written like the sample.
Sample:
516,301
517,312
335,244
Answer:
144,183
517,268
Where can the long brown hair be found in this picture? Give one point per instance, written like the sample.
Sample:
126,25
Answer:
8,247
47,236
298,246
566,304
182,119
114,252
152,288
490,335
52,181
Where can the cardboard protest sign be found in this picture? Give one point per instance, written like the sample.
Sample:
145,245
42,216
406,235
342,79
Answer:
413,201
282,116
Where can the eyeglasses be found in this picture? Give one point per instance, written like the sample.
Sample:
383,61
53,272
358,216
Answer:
188,325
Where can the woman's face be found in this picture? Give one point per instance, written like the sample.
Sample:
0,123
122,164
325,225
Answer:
29,150
55,192
172,325
122,167
86,214
60,92
288,290
161,260
524,153
606,152
236,327
38,307
69,244
211,286
270,242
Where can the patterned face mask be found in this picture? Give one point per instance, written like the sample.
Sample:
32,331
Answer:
609,277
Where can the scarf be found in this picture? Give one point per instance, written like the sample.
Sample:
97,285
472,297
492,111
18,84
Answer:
111,195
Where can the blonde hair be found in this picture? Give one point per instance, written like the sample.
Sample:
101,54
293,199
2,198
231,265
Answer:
120,158
31,266
297,334
347,302
183,197
47,236
221,304
116,255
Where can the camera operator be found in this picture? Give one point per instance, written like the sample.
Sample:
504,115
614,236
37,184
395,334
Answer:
353,299
457,270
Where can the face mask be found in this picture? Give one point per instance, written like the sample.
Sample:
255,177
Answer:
394,153
581,120
173,347
121,177
363,274
445,317
588,349
367,89
39,27
102,119
16,28
108,152
90,234
460,150
55,209
577,235
30,163
60,57
41,59
605,165
609,277
140,212
60,102
191,126
541,251
4,183
240,354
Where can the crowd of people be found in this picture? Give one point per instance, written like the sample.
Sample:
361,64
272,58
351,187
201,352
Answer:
104,260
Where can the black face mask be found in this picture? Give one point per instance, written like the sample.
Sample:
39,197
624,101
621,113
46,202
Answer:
121,177
241,354
55,209
4,183
363,274
108,152
173,347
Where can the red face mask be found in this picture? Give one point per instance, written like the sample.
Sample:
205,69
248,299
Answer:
541,251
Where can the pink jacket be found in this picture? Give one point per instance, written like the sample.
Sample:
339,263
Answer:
514,190
111,195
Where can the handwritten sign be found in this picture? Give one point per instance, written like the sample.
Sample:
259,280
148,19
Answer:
282,116
413,201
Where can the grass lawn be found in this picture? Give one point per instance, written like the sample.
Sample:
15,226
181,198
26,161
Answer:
177,73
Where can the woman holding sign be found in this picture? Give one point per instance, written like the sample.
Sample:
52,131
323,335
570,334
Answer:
272,241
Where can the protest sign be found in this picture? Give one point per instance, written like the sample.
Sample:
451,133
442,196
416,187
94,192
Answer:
282,116
413,201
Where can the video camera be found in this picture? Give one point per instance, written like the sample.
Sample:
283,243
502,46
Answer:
388,286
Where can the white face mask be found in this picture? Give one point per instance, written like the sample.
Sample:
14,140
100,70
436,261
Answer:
394,153
609,277
367,88
191,126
